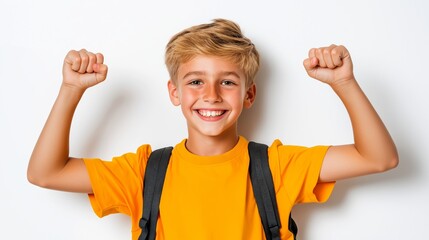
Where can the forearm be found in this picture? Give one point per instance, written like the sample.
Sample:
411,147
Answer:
51,152
371,138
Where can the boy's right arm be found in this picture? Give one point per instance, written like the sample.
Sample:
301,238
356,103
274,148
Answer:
50,165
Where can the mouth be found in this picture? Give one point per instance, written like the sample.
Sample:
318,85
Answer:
210,113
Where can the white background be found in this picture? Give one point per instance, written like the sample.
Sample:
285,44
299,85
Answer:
388,41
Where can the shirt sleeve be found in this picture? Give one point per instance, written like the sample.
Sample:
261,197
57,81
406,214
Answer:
117,184
299,170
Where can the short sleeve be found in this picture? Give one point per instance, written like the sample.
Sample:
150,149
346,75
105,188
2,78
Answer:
299,170
117,184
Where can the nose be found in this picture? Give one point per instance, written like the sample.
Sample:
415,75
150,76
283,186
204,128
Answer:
211,94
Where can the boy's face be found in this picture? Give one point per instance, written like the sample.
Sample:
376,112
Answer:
212,92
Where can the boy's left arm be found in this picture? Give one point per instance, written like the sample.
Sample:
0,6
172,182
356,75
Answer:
373,149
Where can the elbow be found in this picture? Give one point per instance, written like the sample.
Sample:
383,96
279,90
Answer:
394,162
390,163
31,178
32,174
36,179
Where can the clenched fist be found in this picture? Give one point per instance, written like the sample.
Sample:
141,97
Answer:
83,69
331,65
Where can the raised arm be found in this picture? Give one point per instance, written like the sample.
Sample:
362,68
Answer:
50,165
373,150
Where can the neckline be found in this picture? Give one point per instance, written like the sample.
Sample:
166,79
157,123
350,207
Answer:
186,155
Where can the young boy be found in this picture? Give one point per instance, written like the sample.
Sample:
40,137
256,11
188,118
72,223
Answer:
207,192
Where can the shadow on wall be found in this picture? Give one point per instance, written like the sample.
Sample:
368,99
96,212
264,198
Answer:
110,112
252,121
302,214
117,101
406,173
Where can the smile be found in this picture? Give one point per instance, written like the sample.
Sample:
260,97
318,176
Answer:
211,113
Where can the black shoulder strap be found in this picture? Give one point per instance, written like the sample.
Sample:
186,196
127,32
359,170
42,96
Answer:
263,189
260,176
153,183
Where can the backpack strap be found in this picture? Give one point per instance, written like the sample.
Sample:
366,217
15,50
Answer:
263,189
153,183
260,176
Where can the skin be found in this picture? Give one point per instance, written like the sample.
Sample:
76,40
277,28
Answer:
208,84
373,150
50,165
212,93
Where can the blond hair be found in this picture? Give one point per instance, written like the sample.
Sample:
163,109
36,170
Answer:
222,38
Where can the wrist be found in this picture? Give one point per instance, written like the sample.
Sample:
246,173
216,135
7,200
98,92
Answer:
70,92
71,89
345,85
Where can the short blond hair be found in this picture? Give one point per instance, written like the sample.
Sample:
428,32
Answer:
222,38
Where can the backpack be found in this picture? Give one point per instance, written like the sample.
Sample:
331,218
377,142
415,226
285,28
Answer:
260,176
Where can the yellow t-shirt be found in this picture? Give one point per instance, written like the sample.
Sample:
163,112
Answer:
208,197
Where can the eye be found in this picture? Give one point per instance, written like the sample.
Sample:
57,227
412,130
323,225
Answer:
195,82
228,83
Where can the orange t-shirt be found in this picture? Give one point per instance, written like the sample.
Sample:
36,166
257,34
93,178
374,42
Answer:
208,197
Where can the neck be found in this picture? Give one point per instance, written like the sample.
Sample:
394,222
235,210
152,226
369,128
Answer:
211,145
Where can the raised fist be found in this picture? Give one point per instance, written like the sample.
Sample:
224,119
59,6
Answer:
83,69
331,65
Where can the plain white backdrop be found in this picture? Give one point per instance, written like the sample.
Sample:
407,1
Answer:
388,44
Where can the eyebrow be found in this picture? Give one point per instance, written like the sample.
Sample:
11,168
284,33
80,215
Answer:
201,73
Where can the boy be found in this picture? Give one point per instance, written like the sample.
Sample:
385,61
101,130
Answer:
207,192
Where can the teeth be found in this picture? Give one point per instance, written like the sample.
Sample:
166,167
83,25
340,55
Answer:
207,113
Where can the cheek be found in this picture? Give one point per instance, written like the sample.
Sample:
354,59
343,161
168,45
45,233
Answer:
236,99
187,96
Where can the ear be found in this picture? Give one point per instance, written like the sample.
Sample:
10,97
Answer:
173,92
250,96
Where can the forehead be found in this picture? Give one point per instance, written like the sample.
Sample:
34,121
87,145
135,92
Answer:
209,65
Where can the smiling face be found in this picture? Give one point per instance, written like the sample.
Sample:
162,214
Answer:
212,93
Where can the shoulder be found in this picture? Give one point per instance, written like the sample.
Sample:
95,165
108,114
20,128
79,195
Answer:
134,161
291,160
297,169
277,150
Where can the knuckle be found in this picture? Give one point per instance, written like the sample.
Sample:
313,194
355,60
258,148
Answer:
99,57
341,48
72,52
85,58
71,56
91,57
326,51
